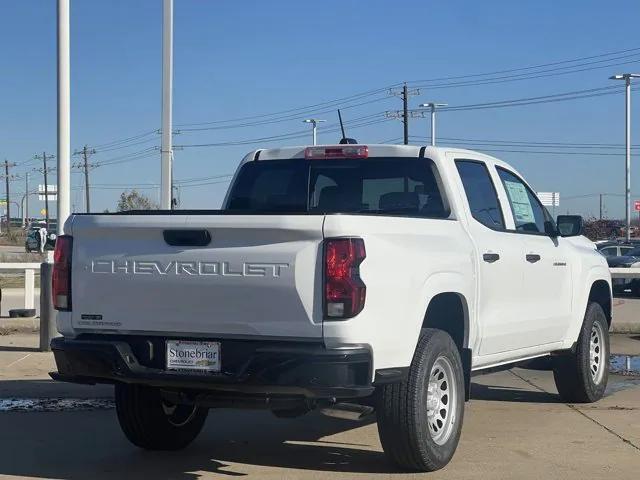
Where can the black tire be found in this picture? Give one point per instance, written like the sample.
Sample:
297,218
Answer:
573,373
403,420
145,420
635,288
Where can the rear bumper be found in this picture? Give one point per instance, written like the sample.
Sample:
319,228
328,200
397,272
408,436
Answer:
262,368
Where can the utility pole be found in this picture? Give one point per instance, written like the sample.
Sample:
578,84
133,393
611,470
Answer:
405,113
404,93
6,179
166,150
600,206
627,190
63,190
314,123
44,159
26,192
85,152
432,106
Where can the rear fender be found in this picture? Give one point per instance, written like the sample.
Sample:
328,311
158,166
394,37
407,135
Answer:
444,282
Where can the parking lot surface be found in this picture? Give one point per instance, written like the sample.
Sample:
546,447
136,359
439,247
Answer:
515,427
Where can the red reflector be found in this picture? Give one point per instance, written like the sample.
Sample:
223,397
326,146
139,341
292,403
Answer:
61,279
344,289
338,151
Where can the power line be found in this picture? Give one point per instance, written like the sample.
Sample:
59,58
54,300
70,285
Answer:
287,136
306,109
531,67
553,98
529,76
125,140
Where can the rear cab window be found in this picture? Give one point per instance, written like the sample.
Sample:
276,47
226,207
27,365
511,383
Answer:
376,185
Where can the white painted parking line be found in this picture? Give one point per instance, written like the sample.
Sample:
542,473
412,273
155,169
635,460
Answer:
17,361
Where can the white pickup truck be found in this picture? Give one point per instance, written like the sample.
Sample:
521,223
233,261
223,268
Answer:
343,278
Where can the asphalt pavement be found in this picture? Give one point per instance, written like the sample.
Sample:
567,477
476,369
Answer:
515,427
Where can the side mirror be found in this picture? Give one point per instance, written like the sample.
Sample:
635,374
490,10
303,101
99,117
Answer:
569,225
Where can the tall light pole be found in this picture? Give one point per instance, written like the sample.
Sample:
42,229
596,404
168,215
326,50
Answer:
627,188
166,149
64,121
433,106
314,122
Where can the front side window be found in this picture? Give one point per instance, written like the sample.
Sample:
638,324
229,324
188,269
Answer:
528,213
481,194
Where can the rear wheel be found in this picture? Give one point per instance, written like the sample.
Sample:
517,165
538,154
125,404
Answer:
151,423
420,419
582,376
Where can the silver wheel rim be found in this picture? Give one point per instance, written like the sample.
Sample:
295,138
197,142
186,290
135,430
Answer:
441,400
179,415
597,353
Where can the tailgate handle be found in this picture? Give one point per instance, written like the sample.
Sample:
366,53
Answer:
187,238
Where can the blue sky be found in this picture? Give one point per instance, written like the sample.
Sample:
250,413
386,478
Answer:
243,58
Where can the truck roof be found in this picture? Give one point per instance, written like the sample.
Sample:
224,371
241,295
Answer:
375,150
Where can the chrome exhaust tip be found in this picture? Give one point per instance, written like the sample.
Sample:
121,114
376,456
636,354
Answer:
347,411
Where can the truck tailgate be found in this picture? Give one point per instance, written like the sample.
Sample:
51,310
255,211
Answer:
258,276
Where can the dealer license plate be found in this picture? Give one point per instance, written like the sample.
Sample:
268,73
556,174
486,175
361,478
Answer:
193,356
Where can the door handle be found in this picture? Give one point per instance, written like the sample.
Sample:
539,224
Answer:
490,257
187,238
532,257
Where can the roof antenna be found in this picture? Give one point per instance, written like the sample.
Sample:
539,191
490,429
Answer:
344,139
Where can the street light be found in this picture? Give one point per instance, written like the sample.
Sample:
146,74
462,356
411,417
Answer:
433,106
627,190
314,122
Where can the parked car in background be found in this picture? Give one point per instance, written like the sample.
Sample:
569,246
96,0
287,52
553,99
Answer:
32,240
630,258
615,249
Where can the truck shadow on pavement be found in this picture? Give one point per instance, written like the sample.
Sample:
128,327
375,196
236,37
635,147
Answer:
80,444
89,444
511,394
10,348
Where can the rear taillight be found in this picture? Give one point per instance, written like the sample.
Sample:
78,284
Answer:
344,290
61,283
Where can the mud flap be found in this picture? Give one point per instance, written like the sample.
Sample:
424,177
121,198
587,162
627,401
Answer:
466,368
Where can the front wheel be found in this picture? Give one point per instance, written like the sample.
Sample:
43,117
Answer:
420,419
149,422
582,376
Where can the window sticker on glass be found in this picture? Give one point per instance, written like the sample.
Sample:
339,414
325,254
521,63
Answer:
520,202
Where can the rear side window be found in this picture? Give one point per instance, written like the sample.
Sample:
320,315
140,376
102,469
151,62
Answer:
273,186
386,186
481,193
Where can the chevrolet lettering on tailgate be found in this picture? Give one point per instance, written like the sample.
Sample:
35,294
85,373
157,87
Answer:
224,269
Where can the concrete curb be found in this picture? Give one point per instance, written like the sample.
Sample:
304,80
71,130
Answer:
19,325
625,327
